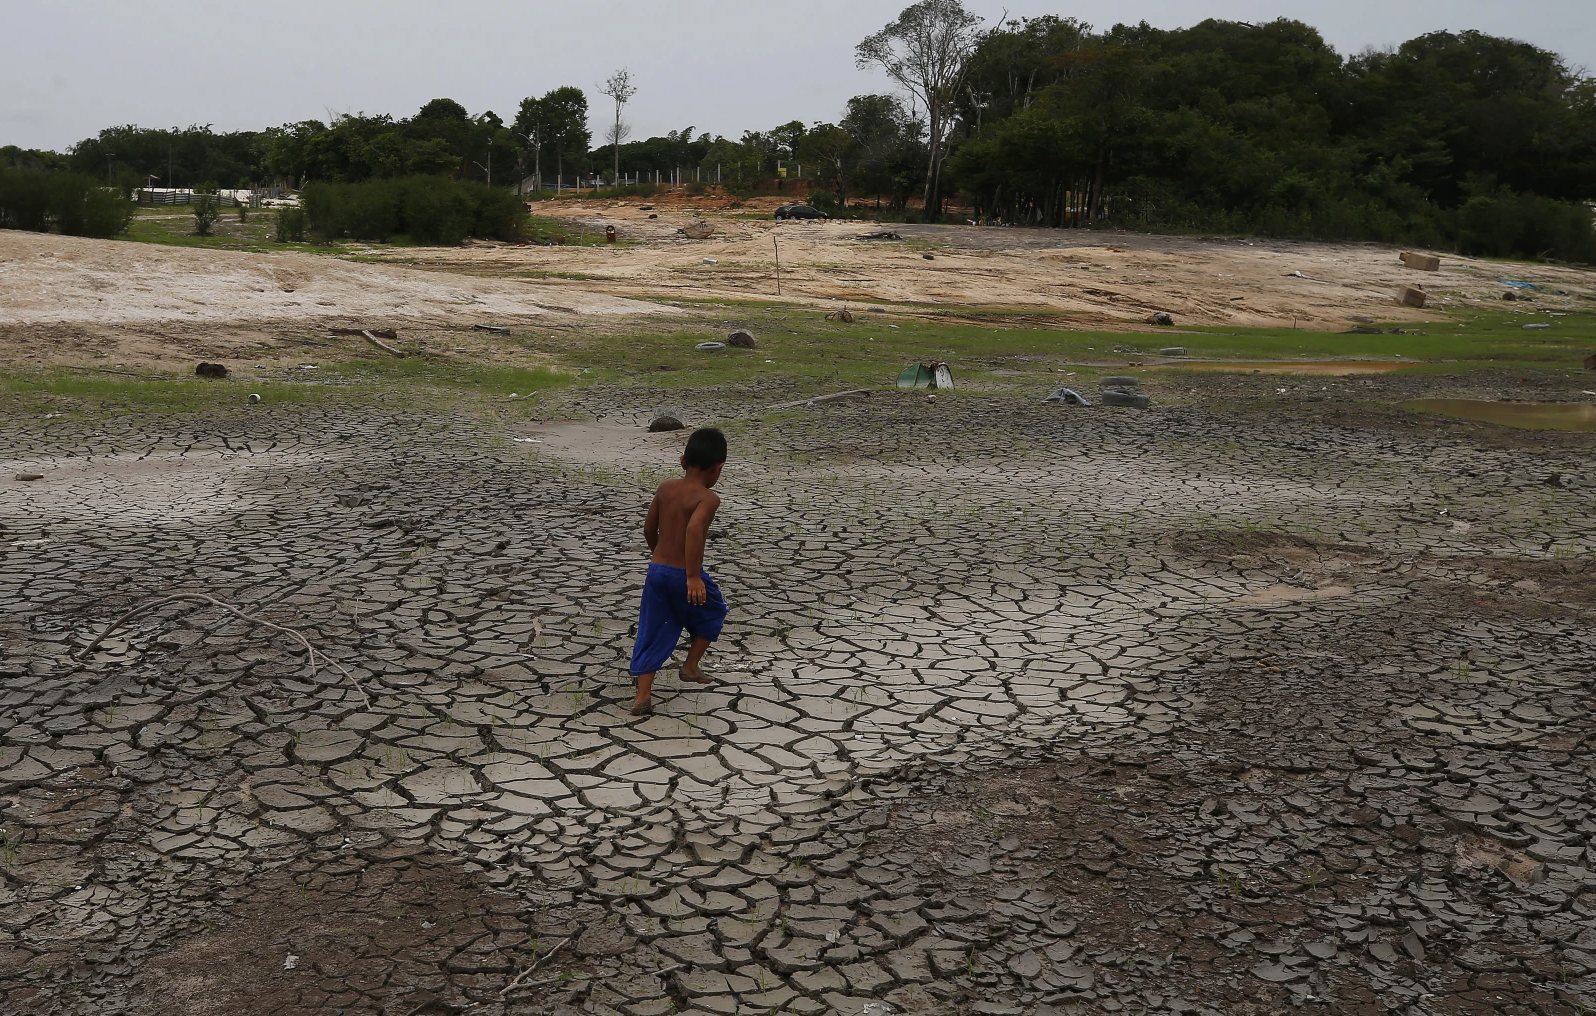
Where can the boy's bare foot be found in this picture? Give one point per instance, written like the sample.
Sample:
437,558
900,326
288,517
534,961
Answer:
692,675
643,707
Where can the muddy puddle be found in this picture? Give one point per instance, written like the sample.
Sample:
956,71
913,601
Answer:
1527,415
1316,367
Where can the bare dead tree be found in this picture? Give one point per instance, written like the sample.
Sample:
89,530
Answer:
619,87
926,52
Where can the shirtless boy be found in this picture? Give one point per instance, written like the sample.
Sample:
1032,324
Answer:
678,592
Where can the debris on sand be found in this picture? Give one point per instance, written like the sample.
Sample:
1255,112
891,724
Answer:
1422,262
381,333
1068,397
699,229
1135,400
844,315
665,422
1517,284
742,338
500,329
926,375
1162,318
371,337
833,397
210,370
885,234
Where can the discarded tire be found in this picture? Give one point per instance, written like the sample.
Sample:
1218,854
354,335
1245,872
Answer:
710,347
742,338
1135,400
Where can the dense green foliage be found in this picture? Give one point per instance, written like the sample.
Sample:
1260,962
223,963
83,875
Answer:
427,209
72,203
1451,138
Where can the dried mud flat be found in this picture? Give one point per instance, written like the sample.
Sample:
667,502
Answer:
1023,711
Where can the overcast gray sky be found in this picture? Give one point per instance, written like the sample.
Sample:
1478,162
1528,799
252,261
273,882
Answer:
71,67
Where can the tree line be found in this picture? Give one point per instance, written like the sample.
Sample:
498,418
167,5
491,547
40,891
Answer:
1453,138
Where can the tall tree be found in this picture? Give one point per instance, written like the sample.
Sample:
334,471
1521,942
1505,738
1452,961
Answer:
926,51
565,114
530,130
620,89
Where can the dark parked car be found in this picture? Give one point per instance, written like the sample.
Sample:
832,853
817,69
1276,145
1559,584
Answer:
799,212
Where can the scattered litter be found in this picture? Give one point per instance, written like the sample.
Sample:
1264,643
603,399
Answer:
51,416
1162,318
665,422
844,315
308,366
1114,397
712,261
1280,391
892,326
1411,296
885,234
1068,396
30,477
254,397
926,375
1294,275
701,229
1536,325
878,1009
428,925
527,440
492,328
1518,285
710,347
291,962
381,333
742,338
210,370
1422,262
459,349
1172,351
930,398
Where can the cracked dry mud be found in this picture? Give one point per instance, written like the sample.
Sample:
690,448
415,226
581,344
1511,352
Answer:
1022,710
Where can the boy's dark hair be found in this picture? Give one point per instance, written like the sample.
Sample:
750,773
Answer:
706,448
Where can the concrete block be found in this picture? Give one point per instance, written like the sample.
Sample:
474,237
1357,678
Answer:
1422,262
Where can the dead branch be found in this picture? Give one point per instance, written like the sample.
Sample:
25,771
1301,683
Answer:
382,345
561,944
310,650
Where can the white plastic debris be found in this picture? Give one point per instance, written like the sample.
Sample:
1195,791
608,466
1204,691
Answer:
527,440
254,397
291,962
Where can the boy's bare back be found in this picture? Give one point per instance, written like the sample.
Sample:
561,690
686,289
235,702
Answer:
678,522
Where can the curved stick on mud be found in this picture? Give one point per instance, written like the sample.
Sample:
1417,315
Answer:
310,650
561,944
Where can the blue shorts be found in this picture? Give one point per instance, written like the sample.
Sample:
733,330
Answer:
666,612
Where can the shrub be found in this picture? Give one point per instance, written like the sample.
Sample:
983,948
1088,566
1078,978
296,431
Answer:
73,203
206,211
431,210
1505,224
290,225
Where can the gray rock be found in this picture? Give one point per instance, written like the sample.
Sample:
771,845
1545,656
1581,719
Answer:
665,423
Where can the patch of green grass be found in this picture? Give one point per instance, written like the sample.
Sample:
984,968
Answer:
803,348
85,390
177,230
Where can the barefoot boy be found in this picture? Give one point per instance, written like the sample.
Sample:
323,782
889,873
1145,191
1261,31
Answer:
678,592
